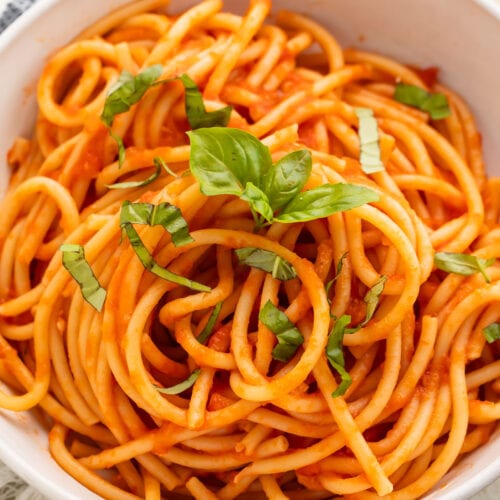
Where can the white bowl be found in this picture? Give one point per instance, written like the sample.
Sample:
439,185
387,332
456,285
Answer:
461,37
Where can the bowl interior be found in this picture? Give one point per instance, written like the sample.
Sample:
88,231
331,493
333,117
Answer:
424,33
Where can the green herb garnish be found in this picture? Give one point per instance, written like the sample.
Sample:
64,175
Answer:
73,259
169,217
266,261
130,89
463,264
436,104
166,215
369,144
197,115
181,386
232,161
209,327
289,337
492,332
334,352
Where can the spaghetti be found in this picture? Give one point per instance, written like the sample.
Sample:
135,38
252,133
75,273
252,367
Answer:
244,349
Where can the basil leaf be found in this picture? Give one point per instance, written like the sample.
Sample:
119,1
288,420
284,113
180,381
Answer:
181,386
289,337
463,264
166,215
286,178
134,184
335,354
160,163
258,201
196,113
338,270
372,298
435,104
492,332
266,261
152,266
368,141
325,200
127,91
224,160
208,328
121,147
73,259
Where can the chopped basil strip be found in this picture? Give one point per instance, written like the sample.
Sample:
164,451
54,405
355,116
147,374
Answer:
208,328
127,91
492,332
135,184
166,215
372,298
434,104
121,147
335,353
234,162
73,259
152,266
181,386
197,115
338,270
266,261
369,145
463,264
160,163
289,337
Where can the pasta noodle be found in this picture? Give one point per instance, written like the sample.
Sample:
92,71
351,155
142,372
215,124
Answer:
131,389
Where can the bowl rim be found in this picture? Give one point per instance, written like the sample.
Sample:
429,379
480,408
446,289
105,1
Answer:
16,461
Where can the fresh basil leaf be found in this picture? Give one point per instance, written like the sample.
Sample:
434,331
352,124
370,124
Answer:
286,178
335,354
224,160
73,259
289,337
266,261
135,184
160,163
369,144
127,91
492,332
166,215
325,200
208,328
372,298
258,201
181,386
196,113
463,264
152,266
436,104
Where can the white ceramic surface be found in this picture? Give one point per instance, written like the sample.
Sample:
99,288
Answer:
462,37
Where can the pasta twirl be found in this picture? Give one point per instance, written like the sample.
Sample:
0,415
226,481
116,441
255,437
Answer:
284,258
